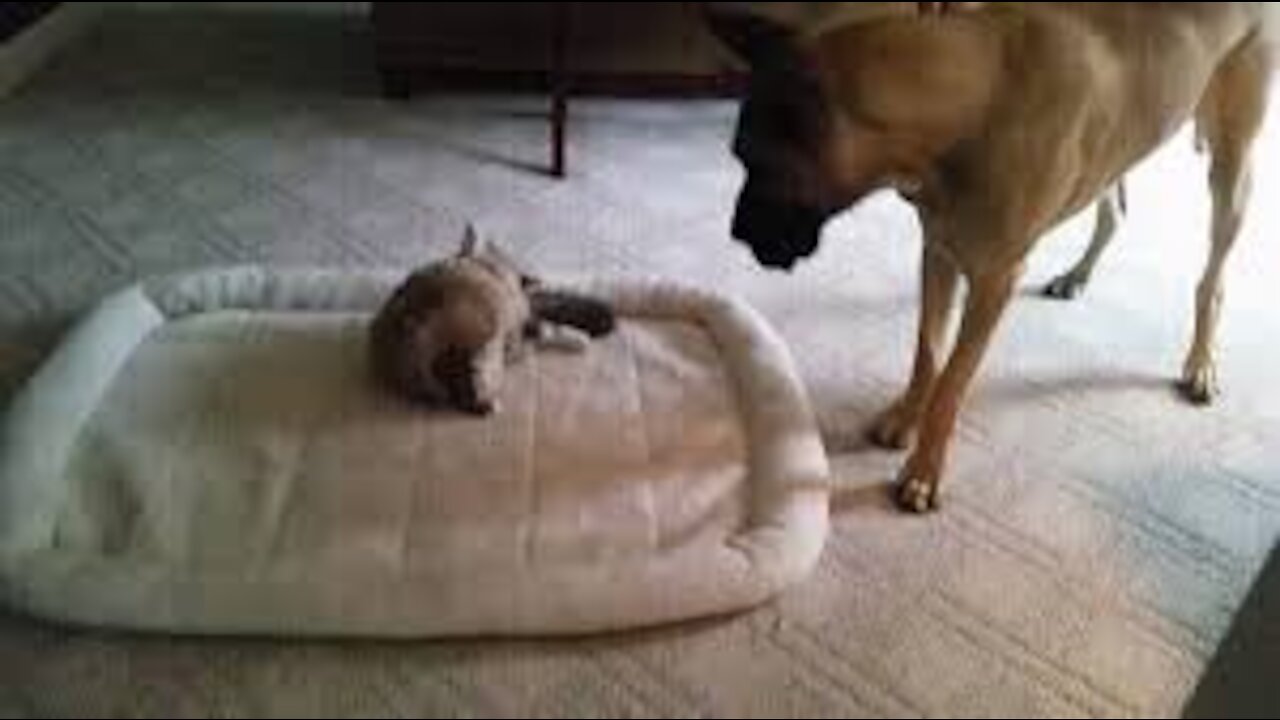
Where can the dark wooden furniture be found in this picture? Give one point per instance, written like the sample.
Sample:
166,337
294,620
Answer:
562,49
18,16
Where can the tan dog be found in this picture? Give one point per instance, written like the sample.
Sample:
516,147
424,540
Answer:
997,124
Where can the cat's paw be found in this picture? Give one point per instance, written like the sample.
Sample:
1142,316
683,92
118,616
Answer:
565,339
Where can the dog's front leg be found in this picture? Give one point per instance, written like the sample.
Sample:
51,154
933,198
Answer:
988,297
896,427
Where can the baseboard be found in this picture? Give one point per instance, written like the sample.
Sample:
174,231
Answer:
22,56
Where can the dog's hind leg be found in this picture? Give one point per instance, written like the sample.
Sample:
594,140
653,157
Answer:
1110,208
1230,116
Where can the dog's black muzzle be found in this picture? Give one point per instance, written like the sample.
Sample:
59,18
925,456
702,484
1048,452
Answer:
779,234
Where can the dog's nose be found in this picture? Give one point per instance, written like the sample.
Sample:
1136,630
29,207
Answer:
775,260
778,234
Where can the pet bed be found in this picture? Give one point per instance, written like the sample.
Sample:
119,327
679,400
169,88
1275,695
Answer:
205,454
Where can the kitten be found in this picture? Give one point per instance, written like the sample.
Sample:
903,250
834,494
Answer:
447,334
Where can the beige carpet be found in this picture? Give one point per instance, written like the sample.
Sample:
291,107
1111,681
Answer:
1099,537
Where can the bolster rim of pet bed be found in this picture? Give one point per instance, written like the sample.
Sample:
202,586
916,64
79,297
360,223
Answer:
779,544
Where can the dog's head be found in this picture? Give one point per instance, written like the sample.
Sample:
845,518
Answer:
783,140
828,120
780,212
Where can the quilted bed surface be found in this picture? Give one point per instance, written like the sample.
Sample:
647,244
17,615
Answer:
205,453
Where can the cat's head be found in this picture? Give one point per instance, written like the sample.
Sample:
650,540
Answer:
468,351
469,380
476,248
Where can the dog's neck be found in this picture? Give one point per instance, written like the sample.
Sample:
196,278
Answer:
907,92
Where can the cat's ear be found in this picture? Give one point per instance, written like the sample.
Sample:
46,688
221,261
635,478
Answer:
475,247
495,253
472,245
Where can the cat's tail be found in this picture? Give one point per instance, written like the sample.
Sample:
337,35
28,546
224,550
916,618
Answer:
592,316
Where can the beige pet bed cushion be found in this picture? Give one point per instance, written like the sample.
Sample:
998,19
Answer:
206,454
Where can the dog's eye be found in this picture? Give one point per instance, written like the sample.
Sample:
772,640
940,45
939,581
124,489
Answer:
789,108
770,128
790,126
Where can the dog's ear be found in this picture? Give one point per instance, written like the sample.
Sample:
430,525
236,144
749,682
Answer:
758,40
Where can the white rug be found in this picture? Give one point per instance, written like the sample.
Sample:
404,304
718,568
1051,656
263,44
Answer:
1099,534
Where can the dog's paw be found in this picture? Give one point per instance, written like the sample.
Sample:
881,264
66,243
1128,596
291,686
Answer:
917,495
895,429
1199,386
1067,287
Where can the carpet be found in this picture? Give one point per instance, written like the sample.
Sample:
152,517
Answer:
1099,535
